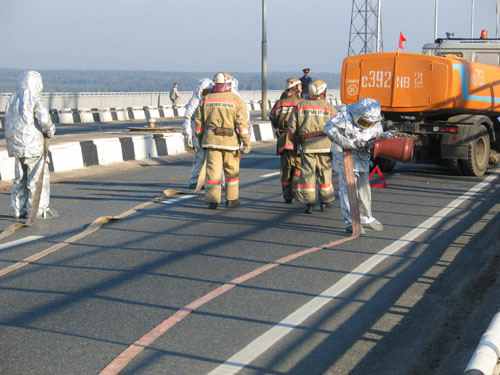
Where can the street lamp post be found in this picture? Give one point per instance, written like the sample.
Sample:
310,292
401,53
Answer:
264,61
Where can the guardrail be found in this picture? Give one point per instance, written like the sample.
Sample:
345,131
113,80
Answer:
145,113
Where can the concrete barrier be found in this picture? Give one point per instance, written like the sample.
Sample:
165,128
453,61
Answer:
6,166
66,156
138,113
105,115
104,151
86,116
65,116
152,112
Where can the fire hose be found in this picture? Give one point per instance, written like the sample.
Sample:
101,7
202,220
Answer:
36,197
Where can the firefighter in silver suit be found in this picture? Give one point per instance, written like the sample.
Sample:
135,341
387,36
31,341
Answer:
355,127
203,87
27,123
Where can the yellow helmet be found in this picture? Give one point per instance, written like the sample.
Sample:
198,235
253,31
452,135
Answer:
317,87
222,77
292,82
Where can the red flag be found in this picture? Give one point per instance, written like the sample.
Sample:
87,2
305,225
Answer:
401,40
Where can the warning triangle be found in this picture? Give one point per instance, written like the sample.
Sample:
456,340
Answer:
379,172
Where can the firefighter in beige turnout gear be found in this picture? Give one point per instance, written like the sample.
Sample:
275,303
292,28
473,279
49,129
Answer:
306,129
221,126
290,160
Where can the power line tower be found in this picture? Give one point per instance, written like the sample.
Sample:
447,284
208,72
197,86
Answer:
366,27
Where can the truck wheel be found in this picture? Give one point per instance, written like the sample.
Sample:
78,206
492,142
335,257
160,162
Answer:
479,154
385,165
454,166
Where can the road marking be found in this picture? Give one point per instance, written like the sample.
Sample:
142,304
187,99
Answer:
254,349
176,199
262,343
270,174
19,242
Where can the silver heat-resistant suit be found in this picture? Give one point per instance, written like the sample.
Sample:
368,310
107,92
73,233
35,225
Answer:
345,133
188,129
27,123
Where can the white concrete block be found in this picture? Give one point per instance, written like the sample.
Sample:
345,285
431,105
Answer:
175,143
66,156
144,147
266,131
86,116
6,166
66,116
139,113
109,150
105,115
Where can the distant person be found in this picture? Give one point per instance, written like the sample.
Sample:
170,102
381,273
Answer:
174,94
290,160
306,81
27,123
221,126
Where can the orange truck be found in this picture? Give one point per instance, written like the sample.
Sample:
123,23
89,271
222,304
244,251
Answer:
447,99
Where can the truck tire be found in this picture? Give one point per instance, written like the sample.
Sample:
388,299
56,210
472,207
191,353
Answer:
479,154
454,166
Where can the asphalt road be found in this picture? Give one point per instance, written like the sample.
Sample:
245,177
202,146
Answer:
375,305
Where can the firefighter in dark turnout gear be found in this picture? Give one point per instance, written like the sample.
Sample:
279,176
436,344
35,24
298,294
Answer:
306,129
221,126
290,160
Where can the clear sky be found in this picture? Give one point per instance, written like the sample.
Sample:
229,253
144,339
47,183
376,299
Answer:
213,35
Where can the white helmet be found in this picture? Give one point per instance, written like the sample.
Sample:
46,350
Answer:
317,87
292,82
222,77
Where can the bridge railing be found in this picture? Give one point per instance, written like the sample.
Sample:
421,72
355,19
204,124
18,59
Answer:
76,108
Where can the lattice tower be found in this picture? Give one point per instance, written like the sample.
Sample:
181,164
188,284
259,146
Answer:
363,32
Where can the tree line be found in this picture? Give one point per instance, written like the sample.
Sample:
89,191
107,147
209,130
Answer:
147,81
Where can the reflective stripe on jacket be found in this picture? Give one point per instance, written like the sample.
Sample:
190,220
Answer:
310,116
280,115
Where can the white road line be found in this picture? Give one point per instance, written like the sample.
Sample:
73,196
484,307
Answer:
19,242
179,198
262,343
270,174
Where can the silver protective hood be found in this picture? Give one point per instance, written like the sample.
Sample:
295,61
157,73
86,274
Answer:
27,120
194,102
367,108
344,132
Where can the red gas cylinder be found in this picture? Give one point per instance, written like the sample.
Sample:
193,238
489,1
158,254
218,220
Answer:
399,149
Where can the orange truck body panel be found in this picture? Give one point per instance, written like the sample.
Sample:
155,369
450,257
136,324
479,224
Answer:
416,83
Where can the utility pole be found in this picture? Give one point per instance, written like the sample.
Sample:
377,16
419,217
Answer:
264,60
436,19
472,21
365,34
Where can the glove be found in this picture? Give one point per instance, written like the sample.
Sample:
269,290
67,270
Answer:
196,143
188,140
371,144
360,145
246,148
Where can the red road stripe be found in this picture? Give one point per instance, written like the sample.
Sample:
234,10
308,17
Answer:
137,347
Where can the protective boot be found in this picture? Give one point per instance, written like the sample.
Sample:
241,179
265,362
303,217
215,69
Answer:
373,225
348,229
212,206
325,207
49,214
309,208
233,204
